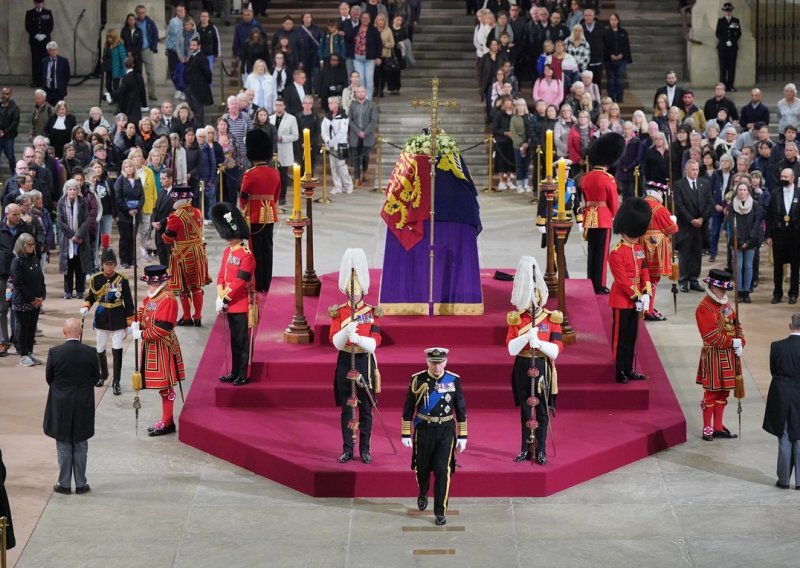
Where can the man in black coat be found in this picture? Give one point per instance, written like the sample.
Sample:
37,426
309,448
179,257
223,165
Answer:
671,89
782,415
5,508
728,32
693,208
198,82
72,371
55,74
130,95
594,32
161,212
783,234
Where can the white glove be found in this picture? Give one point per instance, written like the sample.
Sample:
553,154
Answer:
135,327
728,43
462,444
107,95
738,351
639,306
39,37
407,442
673,218
136,333
351,328
645,302
144,109
128,330
580,227
533,339
542,229
353,338
737,343
219,305
84,310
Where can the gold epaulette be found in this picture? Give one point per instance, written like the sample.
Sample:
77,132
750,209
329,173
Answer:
333,311
555,316
378,311
513,318
454,374
616,246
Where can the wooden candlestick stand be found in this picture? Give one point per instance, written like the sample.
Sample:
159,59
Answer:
560,228
298,332
311,284
549,188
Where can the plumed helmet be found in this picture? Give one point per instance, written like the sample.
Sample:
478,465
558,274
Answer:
108,254
633,217
606,150
229,222
354,259
529,285
258,145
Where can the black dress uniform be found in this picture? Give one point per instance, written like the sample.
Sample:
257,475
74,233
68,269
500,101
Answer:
729,30
435,405
38,21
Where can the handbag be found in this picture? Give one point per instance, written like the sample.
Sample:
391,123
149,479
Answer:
391,64
343,151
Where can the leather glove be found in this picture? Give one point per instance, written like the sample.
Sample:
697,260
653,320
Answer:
542,229
84,310
737,343
407,443
219,305
351,328
136,333
738,351
645,302
462,444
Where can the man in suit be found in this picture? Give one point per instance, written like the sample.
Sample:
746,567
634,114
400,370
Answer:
671,89
593,31
782,414
161,212
39,25
361,133
198,82
693,208
130,96
783,235
72,371
293,94
286,126
728,32
55,74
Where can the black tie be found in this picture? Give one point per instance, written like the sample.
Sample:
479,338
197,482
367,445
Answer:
694,186
52,73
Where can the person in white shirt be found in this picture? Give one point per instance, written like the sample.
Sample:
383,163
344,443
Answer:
334,134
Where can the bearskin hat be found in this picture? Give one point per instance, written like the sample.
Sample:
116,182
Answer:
229,222
606,150
258,145
633,217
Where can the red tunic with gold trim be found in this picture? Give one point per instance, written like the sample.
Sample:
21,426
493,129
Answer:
631,277
188,265
259,194
161,359
367,319
718,327
549,329
236,278
657,241
600,199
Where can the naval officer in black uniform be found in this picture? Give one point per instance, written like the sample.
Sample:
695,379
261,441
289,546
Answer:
39,25
729,30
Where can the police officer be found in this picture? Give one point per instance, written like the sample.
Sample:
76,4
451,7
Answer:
729,30
39,25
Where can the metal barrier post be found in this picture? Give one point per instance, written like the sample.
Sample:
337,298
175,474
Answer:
489,185
324,198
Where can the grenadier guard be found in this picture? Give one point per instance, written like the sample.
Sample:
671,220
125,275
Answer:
161,362
188,265
728,32
631,292
114,314
356,333
534,340
723,341
657,243
599,190
434,403
235,289
258,197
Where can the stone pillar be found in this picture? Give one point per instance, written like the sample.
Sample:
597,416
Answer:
703,62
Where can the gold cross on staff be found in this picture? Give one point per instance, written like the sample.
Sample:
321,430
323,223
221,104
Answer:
434,102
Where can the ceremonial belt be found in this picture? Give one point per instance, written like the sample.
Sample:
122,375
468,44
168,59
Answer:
653,232
259,198
354,349
596,204
190,242
110,304
434,419
528,354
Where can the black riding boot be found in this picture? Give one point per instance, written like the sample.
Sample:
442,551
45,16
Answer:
117,356
101,359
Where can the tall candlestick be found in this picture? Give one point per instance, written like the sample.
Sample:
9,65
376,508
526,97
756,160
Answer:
562,187
297,213
548,154
307,152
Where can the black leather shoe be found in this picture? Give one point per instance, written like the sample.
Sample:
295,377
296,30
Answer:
708,437
422,502
63,490
696,287
115,388
197,323
602,290
792,299
345,457
781,485
84,489
440,520
229,378
366,458
622,378
184,321
239,381
523,456
163,432
725,434
541,457
776,300
634,376
683,287
100,383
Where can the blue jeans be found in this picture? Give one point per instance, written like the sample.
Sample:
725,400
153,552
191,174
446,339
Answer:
366,69
716,228
615,73
7,148
211,197
788,458
522,163
745,277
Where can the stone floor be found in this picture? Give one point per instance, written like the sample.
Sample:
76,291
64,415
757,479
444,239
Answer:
156,502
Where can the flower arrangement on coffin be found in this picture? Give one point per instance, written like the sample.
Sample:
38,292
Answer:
421,144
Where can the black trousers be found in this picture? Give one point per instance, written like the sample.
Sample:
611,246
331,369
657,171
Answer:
784,251
727,65
74,275
197,107
625,331
25,330
597,256
690,255
284,172
597,74
162,248
38,52
125,242
523,390
240,348
343,393
434,451
360,157
261,246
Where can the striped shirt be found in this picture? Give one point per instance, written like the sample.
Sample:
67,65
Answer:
238,128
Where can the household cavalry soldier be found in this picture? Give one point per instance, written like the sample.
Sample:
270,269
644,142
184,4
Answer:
631,292
113,315
599,190
657,243
434,403
161,362
258,197
188,265
720,363
235,291
534,340
356,333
